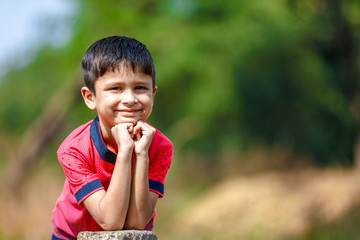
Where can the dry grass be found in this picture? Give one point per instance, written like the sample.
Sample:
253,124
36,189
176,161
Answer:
27,215
245,198
275,205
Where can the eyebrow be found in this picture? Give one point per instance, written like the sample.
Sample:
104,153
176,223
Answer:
115,83
147,82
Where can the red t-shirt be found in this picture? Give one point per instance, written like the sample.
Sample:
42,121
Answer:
88,165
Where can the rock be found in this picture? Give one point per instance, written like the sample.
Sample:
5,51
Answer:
117,235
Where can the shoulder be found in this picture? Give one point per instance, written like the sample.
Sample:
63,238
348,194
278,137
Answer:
161,140
78,137
161,145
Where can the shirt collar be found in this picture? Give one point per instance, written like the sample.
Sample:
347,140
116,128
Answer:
106,154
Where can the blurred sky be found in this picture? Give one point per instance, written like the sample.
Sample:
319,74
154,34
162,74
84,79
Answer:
20,23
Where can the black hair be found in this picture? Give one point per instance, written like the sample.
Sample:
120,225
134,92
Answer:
108,53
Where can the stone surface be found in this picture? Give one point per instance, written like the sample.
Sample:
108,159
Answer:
117,235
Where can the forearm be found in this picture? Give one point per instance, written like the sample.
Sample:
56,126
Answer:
113,205
141,207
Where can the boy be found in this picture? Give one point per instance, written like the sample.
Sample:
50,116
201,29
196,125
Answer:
115,165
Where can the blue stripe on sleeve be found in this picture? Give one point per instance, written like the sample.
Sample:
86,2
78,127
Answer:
157,186
88,188
55,238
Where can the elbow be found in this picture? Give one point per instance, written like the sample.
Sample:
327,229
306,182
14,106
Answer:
138,225
112,225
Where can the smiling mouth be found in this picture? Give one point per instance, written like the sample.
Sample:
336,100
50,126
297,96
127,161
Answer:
128,112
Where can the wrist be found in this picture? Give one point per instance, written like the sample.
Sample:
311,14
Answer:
125,145
142,154
125,150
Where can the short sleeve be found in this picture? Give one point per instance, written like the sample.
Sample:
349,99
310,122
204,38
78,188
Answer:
82,179
160,162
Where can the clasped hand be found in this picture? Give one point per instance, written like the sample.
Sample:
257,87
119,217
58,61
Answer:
130,137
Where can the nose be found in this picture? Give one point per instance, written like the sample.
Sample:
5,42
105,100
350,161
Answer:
128,97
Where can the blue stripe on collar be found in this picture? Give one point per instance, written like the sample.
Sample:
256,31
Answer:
103,151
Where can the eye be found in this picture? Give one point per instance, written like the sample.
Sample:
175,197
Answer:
116,88
141,88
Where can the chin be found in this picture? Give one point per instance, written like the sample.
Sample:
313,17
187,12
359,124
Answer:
129,120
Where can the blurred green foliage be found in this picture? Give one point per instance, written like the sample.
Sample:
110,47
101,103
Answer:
230,73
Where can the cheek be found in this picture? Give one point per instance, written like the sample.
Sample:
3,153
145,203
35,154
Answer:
149,103
145,99
109,100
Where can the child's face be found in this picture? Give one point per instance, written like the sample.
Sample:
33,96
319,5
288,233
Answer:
123,96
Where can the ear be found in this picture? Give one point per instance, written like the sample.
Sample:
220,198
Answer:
154,92
89,98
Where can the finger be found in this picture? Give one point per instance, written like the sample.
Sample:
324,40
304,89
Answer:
138,136
138,128
130,129
122,129
145,126
138,133
113,131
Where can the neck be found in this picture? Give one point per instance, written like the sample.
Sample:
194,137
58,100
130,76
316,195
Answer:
108,139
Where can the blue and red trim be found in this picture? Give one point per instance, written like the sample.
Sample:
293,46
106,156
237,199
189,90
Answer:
88,189
106,154
157,187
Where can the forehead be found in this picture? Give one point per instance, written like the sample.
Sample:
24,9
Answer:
123,75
